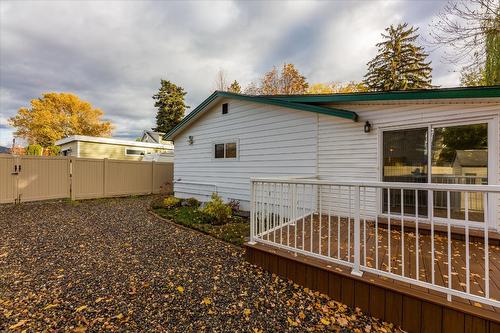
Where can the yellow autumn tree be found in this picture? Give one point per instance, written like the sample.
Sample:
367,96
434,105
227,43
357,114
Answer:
57,115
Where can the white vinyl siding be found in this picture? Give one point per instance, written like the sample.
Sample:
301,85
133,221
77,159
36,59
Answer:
346,153
271,141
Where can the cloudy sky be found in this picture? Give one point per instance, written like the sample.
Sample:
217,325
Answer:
113,54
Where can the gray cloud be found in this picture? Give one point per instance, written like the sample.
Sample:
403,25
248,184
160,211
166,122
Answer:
113,54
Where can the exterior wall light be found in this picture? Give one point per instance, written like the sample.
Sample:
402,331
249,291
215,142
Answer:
367,127
190,140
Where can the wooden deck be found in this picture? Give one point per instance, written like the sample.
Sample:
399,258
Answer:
323,237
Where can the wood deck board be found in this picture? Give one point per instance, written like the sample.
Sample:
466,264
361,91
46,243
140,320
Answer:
299,235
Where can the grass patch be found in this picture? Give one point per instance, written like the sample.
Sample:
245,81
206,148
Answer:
234,232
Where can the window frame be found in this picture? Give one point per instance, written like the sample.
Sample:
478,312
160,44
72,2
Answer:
226,106
225,142
492,120
135,155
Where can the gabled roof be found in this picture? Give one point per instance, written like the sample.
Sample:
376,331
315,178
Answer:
155,136
217,95
441,93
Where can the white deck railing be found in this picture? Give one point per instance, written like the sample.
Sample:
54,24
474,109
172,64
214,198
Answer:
348,223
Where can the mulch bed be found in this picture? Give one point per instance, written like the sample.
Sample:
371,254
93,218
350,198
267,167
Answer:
109,265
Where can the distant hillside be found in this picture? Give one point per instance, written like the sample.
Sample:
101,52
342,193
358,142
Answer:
4,150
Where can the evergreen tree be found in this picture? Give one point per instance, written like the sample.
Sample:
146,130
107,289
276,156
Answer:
235,87
400,63
171,106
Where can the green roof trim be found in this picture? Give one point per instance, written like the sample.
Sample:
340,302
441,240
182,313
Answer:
263,100
443,93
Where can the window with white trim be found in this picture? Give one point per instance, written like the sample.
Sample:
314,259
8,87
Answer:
135,152
227,150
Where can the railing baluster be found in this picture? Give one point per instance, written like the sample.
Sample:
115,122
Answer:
252,212
338,223
448,214
349,227
376,241
320,240
417,254
486,248
402,233
296,222
312,217
389,229
288,212
282,212
275,210
329,222
431,204
364,226
357,237
303,213
467,255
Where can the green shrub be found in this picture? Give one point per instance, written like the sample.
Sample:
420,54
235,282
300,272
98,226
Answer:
35,150
192,202
218,210
171,202
53,150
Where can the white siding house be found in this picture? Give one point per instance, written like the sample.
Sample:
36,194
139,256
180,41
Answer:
278,136
270,141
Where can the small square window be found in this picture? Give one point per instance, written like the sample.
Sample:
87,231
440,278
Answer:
134,152
219,150
230,150
225,108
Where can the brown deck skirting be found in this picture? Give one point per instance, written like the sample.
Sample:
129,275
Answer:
415,309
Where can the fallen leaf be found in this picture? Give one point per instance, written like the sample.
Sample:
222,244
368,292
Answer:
83,307
342,321
18,324
325,321
50,306
180,289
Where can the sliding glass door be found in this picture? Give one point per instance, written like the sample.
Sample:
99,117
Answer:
456,154
405,159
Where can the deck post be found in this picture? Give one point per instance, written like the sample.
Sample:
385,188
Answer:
252,213
357,233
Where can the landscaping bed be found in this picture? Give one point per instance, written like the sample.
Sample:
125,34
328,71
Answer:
233,228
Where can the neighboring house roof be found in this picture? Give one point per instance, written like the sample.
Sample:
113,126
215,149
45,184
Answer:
85,138
4,150
152,136
420,94
217,95
472,158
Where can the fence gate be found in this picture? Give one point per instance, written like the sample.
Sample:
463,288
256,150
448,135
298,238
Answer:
43,178
8,178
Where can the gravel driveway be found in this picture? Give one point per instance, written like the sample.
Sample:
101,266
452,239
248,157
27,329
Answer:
111,265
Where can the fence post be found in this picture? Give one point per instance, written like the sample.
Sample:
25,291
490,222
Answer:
105,177
71,187
152,177
252,213
357,233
